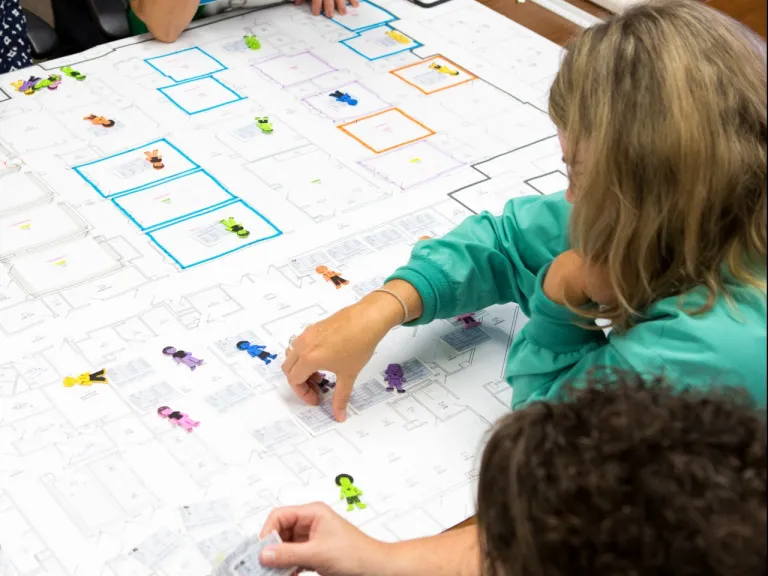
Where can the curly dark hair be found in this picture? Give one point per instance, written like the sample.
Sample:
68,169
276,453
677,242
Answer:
626,477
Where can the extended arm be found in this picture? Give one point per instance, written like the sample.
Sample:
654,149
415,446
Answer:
454,553
165,19
487,259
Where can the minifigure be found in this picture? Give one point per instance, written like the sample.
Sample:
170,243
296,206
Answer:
343,97
27,87
178,418
252,42
86,379
53,81
69,71
349,491
264,124
256,351
395,378
398,36
155,159
182,357
325,385
442,68
232,226
100,121
331,276
468,320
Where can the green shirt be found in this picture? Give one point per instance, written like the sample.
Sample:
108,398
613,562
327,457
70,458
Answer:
490,260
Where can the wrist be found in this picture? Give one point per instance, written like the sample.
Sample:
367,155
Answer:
381,311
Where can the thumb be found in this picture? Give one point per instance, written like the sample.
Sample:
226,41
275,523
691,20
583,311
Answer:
288,555
341,395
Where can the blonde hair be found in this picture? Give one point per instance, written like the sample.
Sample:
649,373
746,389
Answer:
669,102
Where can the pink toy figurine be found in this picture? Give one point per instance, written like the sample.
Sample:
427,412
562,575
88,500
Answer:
182,357
468,320
178,418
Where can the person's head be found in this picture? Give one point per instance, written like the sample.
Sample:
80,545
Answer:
344,480
661,112
626,477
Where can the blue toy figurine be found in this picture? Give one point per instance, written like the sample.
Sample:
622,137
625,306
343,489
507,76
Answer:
343,97
256,351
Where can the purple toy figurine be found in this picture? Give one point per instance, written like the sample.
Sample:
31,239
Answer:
178,418
182,357
256,351
325,384
395,377
469,320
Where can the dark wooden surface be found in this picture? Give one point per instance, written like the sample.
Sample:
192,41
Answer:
559,30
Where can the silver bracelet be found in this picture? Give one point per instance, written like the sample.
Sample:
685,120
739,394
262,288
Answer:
402,302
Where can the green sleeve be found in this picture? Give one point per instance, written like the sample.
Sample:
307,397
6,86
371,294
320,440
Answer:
137,26
488,259
555,346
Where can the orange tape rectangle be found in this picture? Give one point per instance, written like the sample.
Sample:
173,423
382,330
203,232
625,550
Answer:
348,129
426,64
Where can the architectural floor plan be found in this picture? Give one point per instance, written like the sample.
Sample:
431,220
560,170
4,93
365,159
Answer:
183,196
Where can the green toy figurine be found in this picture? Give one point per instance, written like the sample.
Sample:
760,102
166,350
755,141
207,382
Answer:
232,226
252,42
264,124
349,491
72,73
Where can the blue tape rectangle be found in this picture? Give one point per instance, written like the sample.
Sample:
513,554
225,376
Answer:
267,231
173,200
207,64
227,95
388,18
182,166
398,49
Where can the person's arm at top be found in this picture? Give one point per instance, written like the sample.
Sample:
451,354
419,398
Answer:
165,19
487,259
316,538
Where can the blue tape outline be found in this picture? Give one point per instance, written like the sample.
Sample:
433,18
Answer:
165,251
377,24
412,46
178,80
231,200
195,168
187,112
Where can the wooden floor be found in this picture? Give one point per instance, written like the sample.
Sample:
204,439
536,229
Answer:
557,29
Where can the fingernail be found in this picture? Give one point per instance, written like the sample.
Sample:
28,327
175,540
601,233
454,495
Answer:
268,555
341,416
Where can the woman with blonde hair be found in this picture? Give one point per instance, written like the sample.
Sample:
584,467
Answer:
661,114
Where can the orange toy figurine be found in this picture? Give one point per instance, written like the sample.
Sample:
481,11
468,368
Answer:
331,276
100,120
155,159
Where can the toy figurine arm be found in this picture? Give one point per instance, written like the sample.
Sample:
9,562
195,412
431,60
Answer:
342,494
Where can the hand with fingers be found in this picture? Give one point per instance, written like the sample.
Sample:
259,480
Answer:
327,6
344,343
316,538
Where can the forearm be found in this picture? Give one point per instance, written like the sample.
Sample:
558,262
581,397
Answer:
165,19
454,553
386,311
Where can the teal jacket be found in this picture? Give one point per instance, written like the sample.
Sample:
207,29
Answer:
494,260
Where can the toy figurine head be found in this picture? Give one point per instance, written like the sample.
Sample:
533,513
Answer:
394,370
243,345
169,350
69,381
164,411
321,269
344,480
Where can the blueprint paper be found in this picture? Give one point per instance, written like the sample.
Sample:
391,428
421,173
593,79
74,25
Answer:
107,258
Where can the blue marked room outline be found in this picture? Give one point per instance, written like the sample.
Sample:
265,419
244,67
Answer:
134,169
380,42
200,95
182,212
186,64
366,15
